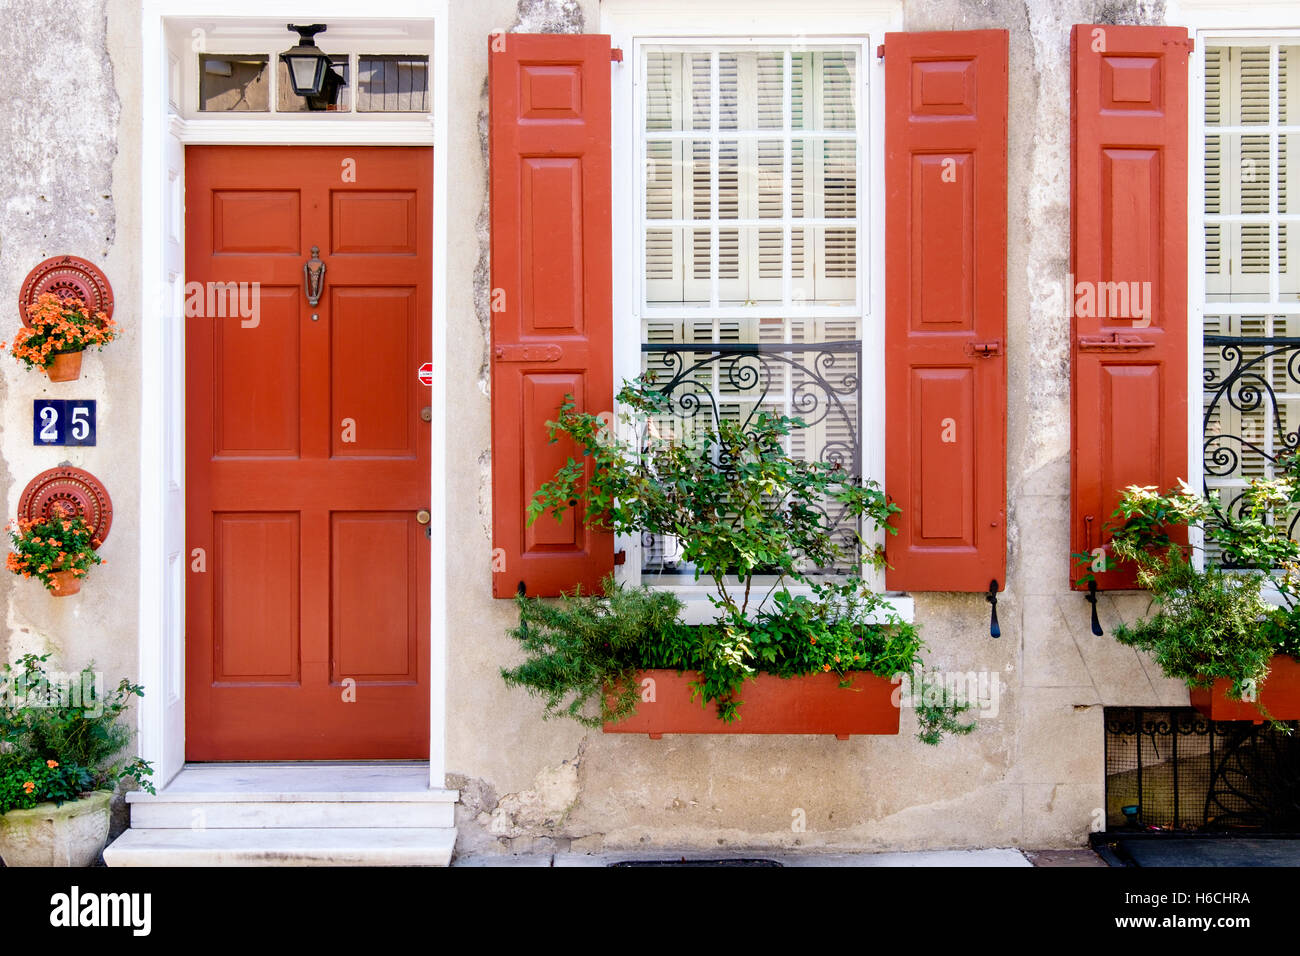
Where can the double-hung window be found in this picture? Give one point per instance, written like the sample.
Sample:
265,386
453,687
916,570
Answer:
750,291
1251,302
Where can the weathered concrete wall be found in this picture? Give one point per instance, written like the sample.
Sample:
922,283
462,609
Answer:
1032,775
71,185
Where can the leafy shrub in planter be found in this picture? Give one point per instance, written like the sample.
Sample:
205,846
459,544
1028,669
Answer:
54,744
586,648
753,521
1213,623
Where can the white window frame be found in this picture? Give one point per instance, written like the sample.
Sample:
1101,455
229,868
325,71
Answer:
1210,24
635,24
165,129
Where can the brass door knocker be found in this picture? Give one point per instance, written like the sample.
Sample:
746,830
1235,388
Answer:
313,271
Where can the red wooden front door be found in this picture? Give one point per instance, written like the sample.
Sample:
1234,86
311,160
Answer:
307,462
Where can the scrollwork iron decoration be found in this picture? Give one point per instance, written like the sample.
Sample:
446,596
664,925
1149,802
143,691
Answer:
1245,383
818,383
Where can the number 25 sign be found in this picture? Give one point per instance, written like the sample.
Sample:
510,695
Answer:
63,421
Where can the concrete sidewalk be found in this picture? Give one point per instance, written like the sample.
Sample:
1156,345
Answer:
954,858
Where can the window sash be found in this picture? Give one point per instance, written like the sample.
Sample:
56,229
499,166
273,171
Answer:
708,333
666,239
1250,316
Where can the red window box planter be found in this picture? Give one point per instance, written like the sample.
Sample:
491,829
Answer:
809,704
1279,695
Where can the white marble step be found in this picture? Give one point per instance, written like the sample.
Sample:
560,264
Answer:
209,814
378,846
225,796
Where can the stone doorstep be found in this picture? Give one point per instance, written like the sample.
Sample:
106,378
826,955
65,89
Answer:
311,814
295,783
283,847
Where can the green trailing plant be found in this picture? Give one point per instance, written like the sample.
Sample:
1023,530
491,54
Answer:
584,650
1211,623
938,713
752,521
62,737
740,505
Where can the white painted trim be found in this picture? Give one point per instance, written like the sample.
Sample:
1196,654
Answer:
356,129
1207,23
633,22
1196,287
153,411
157,414
698,609
738,18
440,71
1266,17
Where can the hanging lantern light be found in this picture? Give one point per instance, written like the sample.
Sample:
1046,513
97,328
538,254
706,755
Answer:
309,65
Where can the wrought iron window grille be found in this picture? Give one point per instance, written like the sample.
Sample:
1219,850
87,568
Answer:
818,383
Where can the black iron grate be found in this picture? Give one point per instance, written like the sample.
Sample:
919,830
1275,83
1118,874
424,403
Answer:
1171,768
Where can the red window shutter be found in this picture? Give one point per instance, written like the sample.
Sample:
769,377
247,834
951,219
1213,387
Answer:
551,295
1129,225
945,308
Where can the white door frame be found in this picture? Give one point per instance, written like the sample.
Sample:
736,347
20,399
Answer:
164,559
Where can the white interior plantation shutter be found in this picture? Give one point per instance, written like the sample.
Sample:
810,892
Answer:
1238,179
750,178
1237,170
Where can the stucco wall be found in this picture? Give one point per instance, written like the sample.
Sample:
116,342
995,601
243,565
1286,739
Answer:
1031,776
71,186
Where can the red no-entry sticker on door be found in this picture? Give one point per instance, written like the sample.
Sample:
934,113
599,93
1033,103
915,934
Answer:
426,373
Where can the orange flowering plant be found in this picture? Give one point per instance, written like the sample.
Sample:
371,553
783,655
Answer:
60,325
62,735
43,548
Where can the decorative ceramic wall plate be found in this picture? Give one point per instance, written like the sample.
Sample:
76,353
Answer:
64,491
67,277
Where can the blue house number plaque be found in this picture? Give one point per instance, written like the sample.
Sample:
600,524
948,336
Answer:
63,421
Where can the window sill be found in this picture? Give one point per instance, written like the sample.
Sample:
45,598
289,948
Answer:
697,609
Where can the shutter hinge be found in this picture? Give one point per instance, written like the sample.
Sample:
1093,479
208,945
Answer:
529,353
1114,342
984,349
1188,43
880,52
615,54
620,556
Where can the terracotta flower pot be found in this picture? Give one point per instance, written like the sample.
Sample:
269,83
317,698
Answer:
65,583
1279,695
65,367
810,704
49,835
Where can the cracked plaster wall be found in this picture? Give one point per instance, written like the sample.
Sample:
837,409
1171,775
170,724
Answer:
70,160
1030,776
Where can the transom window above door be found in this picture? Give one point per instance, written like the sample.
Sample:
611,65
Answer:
231,71
385,83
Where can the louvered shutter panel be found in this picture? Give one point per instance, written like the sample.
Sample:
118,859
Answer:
550,174
1237,259
1129,212
945,304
